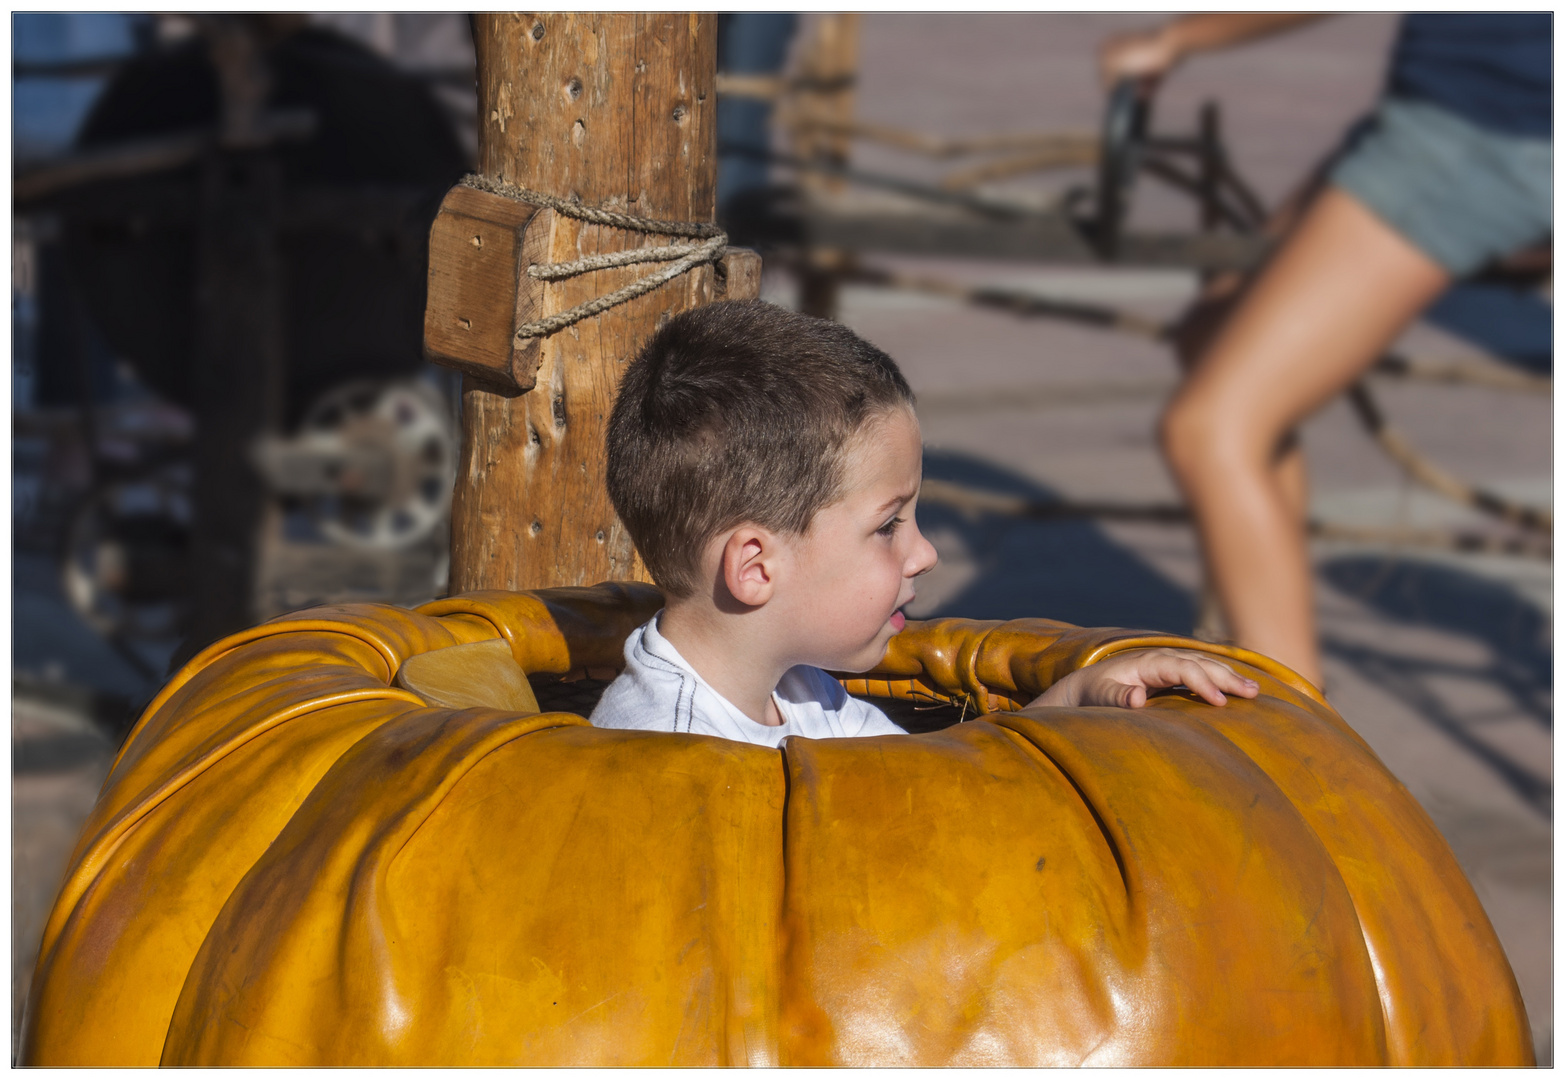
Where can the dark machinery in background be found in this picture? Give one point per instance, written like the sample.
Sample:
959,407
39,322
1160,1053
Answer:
243,218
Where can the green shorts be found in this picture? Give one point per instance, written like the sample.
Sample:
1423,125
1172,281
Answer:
1462,194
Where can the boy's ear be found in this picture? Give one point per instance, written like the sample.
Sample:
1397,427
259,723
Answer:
750,564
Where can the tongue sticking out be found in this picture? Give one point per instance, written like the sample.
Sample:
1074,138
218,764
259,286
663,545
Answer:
898,621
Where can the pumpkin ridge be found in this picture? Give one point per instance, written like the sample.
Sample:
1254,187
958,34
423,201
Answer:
1210,751
275,673
1423,863
967,670
101,849
1033,751
282,625
561,630
1395,1053
473,607
356,830
212,847
193,708
786,931
565,719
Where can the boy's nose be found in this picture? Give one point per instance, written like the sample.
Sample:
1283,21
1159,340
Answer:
924,556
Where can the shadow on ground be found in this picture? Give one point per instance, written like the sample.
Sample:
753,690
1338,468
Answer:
1516,634
57,657
1067,570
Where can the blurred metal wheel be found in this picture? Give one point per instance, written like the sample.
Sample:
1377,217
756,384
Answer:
126,553
408,423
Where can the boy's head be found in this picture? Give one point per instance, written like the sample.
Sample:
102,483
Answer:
739,412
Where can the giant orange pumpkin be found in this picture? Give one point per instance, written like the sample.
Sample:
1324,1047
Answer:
296,861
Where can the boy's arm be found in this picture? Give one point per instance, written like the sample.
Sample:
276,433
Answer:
1003,666
1124,680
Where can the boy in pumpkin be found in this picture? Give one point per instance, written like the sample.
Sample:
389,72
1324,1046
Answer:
767,465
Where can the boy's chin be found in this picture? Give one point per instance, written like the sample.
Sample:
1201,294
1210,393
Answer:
867,658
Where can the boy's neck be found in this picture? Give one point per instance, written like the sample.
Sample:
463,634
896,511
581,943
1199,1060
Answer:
732,652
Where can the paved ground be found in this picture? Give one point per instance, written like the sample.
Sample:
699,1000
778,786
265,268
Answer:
1442,662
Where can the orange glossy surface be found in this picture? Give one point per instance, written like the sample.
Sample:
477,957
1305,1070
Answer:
295,861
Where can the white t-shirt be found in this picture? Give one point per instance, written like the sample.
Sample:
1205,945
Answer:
659,691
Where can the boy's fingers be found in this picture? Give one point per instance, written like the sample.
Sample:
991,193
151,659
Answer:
1235,683
1220,674
1206,677
1202,684
1193,673
1219,678
1204,658
1131,695
1228,679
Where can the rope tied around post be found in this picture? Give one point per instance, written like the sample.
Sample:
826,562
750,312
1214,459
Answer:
680,257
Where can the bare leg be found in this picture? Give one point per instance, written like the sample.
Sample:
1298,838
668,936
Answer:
1337,293
1191,339
1227,291
1292,479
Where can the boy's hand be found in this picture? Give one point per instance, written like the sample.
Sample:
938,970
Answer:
1124,679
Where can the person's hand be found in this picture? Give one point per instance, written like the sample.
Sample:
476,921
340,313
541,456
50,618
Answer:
1146,56
1125,679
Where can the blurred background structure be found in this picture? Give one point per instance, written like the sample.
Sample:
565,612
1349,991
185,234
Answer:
220,410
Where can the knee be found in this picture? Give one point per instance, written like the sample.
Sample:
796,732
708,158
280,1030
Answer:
1209,439
1190,434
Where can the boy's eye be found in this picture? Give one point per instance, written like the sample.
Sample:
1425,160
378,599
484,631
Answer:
889,527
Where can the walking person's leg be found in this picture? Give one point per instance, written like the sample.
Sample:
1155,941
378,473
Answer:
1194,333
1340,290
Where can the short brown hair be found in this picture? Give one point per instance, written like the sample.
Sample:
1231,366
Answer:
738,412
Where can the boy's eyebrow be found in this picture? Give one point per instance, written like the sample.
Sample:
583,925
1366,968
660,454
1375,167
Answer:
895,500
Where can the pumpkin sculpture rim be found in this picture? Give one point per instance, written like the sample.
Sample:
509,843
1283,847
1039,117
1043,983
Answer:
809,962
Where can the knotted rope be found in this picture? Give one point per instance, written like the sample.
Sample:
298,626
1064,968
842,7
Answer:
681,257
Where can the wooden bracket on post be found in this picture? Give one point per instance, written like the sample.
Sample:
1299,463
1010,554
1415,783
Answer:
636,130
480,293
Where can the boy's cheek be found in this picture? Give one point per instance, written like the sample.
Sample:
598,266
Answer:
876,651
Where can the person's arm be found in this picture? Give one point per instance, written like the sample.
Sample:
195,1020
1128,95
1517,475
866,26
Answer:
1124,680
1150,54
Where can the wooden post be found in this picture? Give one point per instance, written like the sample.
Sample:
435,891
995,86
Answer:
238,379
618,112
828,77
828,74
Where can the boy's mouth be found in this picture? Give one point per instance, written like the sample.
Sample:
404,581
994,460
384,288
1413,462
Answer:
899,620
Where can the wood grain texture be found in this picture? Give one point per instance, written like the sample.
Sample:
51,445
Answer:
477,284
618,111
